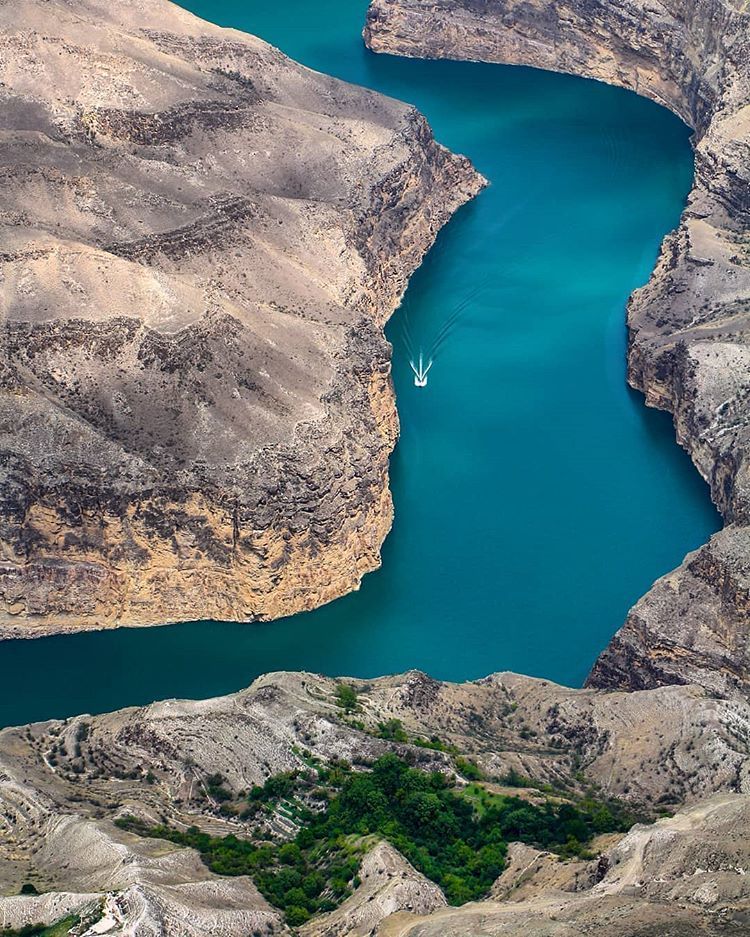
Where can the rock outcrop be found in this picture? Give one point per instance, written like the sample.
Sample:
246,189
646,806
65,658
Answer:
693,626
689,351
63,784
200,242
389,884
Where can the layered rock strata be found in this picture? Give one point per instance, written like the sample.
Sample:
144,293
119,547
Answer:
62,785
689,351
200,242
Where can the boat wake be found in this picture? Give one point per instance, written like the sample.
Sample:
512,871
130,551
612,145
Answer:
421,360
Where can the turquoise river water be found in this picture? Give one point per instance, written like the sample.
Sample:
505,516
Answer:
536,498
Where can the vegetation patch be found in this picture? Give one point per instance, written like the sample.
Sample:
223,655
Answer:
346,698
456,837
60,928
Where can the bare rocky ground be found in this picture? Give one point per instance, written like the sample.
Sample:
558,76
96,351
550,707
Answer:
62,784
200,241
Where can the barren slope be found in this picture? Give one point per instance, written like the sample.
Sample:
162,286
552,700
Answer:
199,244
62,784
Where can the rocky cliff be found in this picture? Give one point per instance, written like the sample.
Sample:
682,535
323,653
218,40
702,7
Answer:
64,784
200,242
689,351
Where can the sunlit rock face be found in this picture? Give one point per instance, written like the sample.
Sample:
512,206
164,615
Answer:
200,243
688,350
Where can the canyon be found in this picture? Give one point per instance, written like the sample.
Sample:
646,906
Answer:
295,504
688,350
201,243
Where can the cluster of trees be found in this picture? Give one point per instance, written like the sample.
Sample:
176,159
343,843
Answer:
424,818
346,698
28,930
457,838
277,787
301,877
393,731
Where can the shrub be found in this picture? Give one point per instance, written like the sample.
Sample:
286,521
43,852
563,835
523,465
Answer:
469,769
346,698
297,916
392,730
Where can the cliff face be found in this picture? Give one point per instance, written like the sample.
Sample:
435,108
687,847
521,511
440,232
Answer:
688,351
63,784
199,244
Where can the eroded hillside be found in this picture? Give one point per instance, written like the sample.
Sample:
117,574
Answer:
201,241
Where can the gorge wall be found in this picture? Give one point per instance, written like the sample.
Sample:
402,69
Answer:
200,242
689,348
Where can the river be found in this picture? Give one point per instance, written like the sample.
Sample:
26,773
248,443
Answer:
536,497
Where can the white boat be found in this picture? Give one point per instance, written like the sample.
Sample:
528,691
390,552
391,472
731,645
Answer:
420,371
